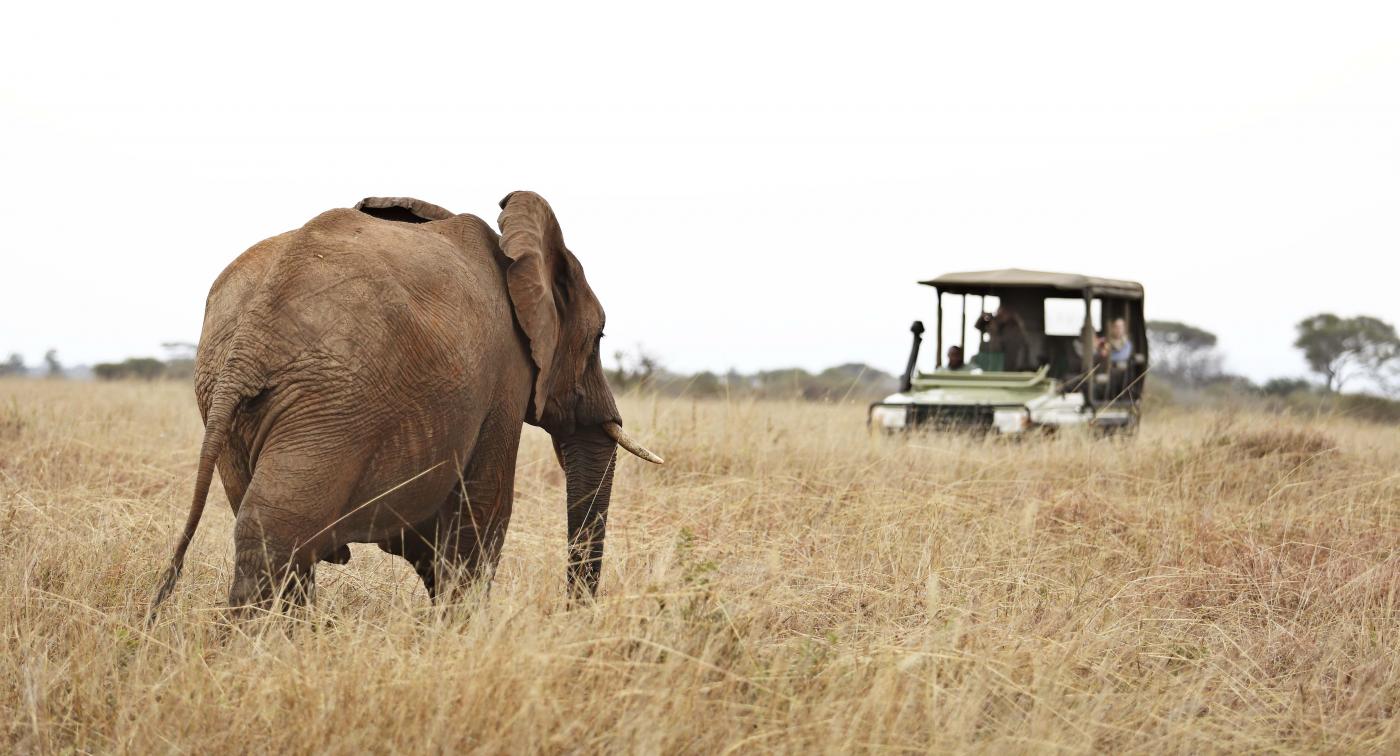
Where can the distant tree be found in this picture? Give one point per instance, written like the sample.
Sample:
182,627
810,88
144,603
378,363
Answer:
855,379
108,371
639,370
618,375
144,368
55,368
1183,352
178,368
1229,383
705,384
1286,386
647,367
787,383
852,381
140,368
13,366
1340,349
179,360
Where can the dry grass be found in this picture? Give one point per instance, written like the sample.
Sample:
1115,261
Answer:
786,583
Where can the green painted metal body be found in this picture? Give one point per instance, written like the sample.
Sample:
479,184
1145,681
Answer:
987,389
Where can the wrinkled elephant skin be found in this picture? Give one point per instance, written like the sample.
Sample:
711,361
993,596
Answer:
365,379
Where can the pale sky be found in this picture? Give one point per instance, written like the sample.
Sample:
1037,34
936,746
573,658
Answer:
746,185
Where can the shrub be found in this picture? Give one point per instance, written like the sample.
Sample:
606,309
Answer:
136,368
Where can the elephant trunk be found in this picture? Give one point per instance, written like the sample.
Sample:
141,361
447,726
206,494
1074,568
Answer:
589,457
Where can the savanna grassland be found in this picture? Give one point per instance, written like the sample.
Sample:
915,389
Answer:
787,582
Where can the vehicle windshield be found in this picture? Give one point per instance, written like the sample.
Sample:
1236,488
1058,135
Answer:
1065,316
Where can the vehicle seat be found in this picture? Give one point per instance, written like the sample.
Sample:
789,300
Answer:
992,362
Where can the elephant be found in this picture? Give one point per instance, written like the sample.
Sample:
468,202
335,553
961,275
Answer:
366,378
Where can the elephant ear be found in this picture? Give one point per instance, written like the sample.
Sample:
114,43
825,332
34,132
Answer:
538,279
403,209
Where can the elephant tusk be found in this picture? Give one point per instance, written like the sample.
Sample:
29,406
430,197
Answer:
627,442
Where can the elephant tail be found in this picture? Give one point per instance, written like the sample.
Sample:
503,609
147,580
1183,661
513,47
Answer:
216,428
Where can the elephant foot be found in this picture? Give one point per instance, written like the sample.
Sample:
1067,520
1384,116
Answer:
265,580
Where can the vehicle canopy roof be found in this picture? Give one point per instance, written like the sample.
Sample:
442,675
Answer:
988,281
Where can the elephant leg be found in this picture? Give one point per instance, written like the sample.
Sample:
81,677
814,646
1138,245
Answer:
476,514
418,546
267,567
234,474
284,526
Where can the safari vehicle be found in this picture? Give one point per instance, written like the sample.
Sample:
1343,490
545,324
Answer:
1066,369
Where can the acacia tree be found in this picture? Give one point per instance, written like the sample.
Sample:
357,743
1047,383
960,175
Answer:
638,371
179,360
13,366
55,368
1340,349
1183,352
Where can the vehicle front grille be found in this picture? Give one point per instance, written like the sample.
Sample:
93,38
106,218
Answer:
951,417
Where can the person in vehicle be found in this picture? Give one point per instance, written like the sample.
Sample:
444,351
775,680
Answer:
1116,347
955,358
1007,335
